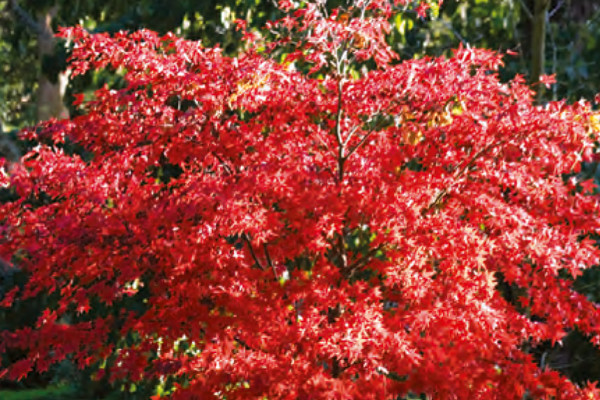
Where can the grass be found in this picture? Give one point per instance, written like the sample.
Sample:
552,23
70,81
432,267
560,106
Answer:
49,393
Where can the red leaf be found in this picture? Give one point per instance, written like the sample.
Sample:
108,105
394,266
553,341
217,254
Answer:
20,369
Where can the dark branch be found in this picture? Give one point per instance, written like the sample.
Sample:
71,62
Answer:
442,193
247,240
362,141
242,343
361,262
28,20
223,163
378,126
269,262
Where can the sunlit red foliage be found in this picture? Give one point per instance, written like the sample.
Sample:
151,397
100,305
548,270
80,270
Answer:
316,233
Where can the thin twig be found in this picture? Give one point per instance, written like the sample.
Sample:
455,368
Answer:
223,163
555,9
361,262
526,9
326,147
455,32
364,138
269,262
443,192
252,253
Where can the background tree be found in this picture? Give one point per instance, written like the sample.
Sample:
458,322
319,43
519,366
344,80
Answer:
570,45
29,24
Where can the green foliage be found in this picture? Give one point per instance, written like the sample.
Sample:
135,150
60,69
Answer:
17,77
572,48
210,21
49,393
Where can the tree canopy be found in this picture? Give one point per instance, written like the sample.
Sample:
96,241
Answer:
307,219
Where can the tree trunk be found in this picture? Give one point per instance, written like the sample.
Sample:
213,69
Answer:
50,91
538,43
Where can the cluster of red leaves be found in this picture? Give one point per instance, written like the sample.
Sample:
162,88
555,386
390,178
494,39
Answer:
458,180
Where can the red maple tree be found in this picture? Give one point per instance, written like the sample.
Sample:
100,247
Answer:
336,225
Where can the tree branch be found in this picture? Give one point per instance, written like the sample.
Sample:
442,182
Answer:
242,343
364,138
454,32
351,134
555,9
342,252
362,141
361,262
28,20
526,9
252,253
269,262
443,192
223,163
338,132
